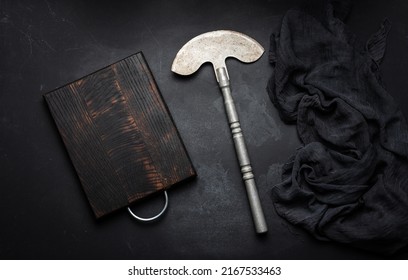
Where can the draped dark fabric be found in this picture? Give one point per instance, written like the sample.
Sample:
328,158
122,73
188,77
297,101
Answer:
349,180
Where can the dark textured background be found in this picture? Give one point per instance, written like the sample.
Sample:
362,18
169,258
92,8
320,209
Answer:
43,210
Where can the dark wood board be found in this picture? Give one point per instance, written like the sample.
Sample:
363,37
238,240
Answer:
119,134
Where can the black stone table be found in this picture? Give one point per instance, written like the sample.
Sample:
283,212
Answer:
45,44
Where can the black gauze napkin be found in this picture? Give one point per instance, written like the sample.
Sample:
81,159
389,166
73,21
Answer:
349,180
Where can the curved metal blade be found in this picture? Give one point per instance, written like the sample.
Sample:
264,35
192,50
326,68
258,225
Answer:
215,47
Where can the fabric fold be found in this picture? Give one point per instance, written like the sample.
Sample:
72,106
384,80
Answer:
349,181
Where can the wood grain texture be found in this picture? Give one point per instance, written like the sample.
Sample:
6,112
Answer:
120,135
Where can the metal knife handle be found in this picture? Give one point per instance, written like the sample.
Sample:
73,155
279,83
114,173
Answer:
242,153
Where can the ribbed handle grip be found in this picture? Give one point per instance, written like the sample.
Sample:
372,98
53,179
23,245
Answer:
241,151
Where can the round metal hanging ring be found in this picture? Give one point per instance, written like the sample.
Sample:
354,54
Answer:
166,203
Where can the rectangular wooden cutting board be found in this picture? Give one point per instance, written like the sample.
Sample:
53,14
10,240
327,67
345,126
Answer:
119,135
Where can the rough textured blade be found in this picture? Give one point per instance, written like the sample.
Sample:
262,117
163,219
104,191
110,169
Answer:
215,47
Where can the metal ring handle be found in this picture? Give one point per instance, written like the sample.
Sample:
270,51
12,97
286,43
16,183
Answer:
154,217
